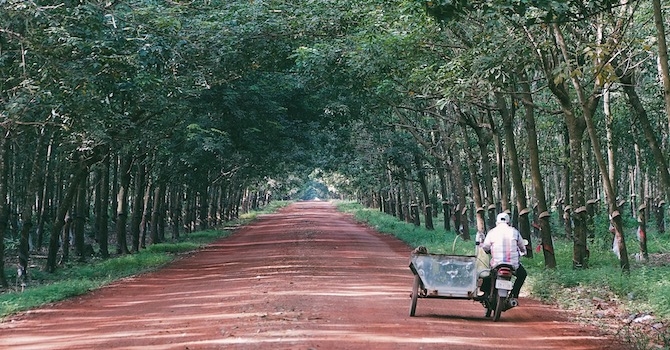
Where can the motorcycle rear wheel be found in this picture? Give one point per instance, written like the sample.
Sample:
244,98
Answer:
499,308
490,304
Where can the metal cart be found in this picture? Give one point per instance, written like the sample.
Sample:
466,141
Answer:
444,276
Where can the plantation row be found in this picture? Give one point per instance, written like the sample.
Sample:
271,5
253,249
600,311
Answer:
125,120
541,109
121,130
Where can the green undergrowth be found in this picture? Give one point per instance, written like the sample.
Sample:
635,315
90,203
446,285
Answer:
594,292
76,278
437,241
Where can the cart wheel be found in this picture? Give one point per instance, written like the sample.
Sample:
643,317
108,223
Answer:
499,306
415,295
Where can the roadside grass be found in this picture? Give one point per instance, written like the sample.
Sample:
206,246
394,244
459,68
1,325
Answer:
77,278
601,294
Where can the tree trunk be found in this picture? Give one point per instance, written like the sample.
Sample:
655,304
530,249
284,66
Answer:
416,218
114,167
503,177
662,55
188,212
46,186
59,223
138,206
575,127
65,240
103,233
421,173
97,202
213,209
588,105
146,213
566,201
536,174
642,232
476,189
27,209
405,206
642,209
79,222
175,210
609,121
660,216
484,136
157,235
4,206
122,204
578,216
483,139
461,226
446,205
517,181
648,130
203,206
236,202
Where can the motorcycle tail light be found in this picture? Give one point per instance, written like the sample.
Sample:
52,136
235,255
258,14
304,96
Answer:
505,272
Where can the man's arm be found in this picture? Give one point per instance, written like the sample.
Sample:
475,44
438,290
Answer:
487,244
519,242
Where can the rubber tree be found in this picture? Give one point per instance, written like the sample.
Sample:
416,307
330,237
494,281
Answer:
507,113
588,103
477,121
662,55
80,170
479,202
4,205
536,175
576,126
27,212
645,125
553,15
138,201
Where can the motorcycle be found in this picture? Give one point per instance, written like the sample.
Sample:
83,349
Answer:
496,283
444,276
497,298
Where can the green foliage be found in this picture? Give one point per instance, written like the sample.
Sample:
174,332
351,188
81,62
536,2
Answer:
79,279
437,241
14,302
173,248
537,11
201,237
123,266
11,244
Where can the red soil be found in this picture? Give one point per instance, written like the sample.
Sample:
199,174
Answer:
307,277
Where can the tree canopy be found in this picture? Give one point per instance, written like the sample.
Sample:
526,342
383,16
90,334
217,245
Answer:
183,113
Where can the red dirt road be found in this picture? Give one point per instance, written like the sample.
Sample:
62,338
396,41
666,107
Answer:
306,277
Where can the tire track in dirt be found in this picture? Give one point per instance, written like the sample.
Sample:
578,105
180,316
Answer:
307,277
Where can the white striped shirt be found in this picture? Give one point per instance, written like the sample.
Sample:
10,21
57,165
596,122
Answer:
505,243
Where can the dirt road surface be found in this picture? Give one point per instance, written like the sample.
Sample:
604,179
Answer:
306,277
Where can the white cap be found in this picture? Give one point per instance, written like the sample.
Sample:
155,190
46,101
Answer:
502,217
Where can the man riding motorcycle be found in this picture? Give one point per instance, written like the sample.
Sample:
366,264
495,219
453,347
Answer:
506,246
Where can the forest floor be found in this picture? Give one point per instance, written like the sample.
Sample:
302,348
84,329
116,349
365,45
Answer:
306,277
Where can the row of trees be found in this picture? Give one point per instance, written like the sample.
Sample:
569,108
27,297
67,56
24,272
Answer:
120,118
533,107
